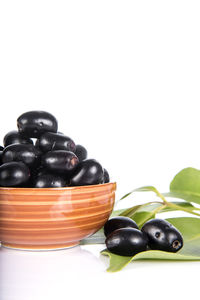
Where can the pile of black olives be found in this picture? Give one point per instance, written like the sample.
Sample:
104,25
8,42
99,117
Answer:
37,155
124,238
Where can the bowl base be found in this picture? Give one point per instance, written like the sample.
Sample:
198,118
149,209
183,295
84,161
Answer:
39,247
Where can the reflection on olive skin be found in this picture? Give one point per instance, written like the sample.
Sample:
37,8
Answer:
27,275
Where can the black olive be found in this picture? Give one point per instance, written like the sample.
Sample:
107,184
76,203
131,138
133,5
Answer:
60,161
37,144
14,137
81,152
33,124
1,153
49,181
126,241
14,174
41,171
54,141
35,172
106,177
38,173
88,172
163,235
1,148
26,153
117,223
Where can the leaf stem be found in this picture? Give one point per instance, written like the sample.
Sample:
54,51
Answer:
158,209
183,209
177,207
161,197
128,212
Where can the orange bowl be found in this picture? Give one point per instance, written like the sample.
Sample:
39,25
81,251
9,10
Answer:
53,218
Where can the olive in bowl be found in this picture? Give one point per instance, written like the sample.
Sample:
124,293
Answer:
50,141
25,153
14,174
49,181
60,161
14,137
87,172
81,152
33,124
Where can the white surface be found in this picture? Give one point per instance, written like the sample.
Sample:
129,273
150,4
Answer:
79,272
122,77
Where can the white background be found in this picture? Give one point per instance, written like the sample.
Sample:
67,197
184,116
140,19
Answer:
122,78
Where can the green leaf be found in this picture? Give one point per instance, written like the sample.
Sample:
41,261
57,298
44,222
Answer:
116,213
190,229
129,212
180,204
149,207
97,238
167,203
142,213
142,217
141,189
186,185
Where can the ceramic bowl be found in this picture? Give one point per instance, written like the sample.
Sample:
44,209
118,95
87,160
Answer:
53,218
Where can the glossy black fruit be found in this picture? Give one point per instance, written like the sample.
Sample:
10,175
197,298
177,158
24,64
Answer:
33,124
37,144
1,148
49,181
127,241
54,141
25,153
1,153
106,177
14,174
39,170
162,235
60,161
117,223
88,172
14,137
81,152
38,148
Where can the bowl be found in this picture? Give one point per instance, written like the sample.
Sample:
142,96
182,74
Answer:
53,218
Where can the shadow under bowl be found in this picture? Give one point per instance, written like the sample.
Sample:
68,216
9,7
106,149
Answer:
53,218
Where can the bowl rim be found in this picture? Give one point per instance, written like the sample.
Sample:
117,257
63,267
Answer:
67,188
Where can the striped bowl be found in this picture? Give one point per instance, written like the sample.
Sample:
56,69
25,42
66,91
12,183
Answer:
53,218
